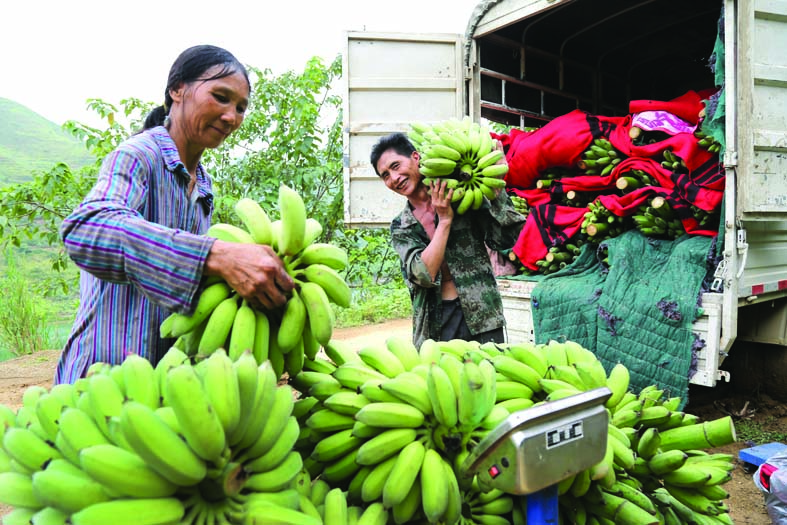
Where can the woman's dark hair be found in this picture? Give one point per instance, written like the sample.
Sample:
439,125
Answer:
395,141
189,67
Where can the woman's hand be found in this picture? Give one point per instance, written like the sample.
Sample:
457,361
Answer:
252,270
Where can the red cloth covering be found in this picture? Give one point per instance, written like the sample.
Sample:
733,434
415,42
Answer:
560,143
687,106
547,225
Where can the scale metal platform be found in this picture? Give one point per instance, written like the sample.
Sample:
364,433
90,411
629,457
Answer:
534,449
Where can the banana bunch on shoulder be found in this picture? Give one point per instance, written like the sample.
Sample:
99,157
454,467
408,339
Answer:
286,336
463,154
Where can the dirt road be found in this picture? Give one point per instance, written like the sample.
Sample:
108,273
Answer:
746,503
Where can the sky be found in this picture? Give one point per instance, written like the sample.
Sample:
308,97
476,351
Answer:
57,54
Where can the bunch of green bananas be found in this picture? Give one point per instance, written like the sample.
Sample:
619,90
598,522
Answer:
388,424
600,224
463,154
639,480
520,204
286,336
707,141
672,162
392,425
144,445
634,179
657,219
600,158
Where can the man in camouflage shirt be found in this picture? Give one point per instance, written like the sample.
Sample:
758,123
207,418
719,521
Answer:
444,257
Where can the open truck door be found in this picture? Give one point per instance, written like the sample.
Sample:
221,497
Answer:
392,79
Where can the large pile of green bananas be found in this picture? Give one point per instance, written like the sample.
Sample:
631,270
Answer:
375,436
393,425
134,444
462,153
286,336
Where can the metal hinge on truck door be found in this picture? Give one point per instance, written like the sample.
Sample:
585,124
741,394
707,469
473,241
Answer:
718,276
743,250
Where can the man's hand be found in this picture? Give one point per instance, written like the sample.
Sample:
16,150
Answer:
252,270
441,201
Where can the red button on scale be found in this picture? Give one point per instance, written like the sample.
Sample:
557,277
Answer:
494,471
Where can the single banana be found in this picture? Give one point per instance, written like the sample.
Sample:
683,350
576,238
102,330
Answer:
328,421
466,203
219,326
434,486
313,231
276,421
385,445
198,420
49,516
278,452
390,415
404,474
335,286
139,378
245,371
442,396
346,402
221,388
518,371
16,490
293,221
160,446
146,511
262,402
229,233
618,383
124,472
319,312
262,334
279,477
79,430
382,360
353,375
374,483
105,401
334,446
323,253
48,409
67,490
404,349
255,220
292,322
335,508
495,171
242,334
410,388
471,406
28,449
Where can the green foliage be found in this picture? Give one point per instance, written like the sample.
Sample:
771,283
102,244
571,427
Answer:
24,320
376,304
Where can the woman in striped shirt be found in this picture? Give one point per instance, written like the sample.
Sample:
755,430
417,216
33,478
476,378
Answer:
138,236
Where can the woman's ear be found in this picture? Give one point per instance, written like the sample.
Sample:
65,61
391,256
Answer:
416,156
177,93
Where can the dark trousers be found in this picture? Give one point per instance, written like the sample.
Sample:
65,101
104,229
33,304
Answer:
454,326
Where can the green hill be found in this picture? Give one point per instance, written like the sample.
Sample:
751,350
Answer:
29,143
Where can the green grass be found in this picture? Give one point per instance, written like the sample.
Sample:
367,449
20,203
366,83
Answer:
759,432
375,305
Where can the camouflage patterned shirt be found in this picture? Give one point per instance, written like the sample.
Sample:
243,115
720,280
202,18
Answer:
496,225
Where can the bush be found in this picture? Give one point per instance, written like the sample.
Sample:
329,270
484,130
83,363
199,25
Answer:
24,319
375,304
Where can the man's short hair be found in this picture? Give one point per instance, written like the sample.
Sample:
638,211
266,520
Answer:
395,141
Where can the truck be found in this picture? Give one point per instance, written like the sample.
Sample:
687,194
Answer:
525,62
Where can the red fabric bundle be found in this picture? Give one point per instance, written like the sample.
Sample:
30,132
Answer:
561,142
547,225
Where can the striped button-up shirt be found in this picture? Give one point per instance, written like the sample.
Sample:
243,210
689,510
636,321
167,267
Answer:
136,239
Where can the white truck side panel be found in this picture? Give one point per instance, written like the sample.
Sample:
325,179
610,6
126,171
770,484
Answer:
392,79
762,96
